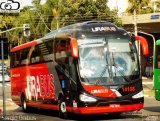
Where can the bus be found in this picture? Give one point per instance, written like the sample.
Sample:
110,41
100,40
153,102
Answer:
84,68
156,64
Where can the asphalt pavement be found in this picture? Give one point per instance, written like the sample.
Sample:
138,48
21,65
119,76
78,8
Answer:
148,87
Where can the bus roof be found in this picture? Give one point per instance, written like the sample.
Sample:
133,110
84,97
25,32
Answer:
67,31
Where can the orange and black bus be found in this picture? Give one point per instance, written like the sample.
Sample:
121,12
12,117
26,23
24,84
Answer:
84,68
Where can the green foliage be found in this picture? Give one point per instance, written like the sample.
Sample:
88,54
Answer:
140,6
157,3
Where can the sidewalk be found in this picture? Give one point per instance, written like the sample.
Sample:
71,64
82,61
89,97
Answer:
9,102
148,87
10,105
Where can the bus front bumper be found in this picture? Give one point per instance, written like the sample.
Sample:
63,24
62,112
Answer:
106,109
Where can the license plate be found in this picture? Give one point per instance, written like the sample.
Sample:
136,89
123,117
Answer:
114,105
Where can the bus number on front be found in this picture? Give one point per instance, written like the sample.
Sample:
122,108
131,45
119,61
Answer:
128,89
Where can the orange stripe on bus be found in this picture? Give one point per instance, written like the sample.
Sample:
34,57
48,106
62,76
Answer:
26,45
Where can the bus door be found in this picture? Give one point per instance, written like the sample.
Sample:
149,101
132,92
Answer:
66,68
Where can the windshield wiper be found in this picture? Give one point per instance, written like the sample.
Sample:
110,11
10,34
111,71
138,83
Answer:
103,72
106,68
120,71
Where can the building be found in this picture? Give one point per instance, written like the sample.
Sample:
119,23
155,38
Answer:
146,23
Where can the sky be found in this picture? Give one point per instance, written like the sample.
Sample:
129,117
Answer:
29,2
120,4
26,3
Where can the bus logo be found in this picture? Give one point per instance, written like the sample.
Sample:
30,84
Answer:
40,86
99,91
96,29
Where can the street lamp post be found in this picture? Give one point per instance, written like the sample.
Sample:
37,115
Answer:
135,23
3,81
136,33
154,6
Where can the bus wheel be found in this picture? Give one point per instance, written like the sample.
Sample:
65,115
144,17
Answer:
24,104
62,108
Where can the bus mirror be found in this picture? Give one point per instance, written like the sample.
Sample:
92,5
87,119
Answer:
74,48
144,45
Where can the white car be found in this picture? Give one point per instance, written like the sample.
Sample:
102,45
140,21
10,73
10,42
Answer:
4,66
6,77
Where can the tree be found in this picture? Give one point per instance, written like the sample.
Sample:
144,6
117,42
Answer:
83,10
138,6
157,6
57,13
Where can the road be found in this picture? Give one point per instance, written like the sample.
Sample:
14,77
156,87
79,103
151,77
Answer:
150,112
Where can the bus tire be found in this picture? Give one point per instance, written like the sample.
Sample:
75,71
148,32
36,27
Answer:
115,114
25,108
62,109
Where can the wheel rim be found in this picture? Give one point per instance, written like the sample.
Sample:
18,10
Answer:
63,107
24,104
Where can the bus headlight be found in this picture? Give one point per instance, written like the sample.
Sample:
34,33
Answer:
138,95
86,98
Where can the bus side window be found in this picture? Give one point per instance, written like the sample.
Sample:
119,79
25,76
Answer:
20,58
158,56
158,61
17,59
46,51
36,55
12,60
24,56
62,51
16,62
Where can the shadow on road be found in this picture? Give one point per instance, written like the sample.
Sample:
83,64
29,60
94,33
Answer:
152,109
105,117
93,117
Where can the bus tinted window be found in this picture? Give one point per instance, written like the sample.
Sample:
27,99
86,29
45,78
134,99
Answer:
24,56
42,53
15,59
47,51
36,56
157,64
62,51
20,58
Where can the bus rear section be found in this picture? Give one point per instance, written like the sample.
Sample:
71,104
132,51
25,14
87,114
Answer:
157,70
94,71
34,82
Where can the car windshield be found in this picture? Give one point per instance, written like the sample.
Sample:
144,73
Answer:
108,60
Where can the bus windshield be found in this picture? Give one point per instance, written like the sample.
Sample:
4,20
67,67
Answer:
107,60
